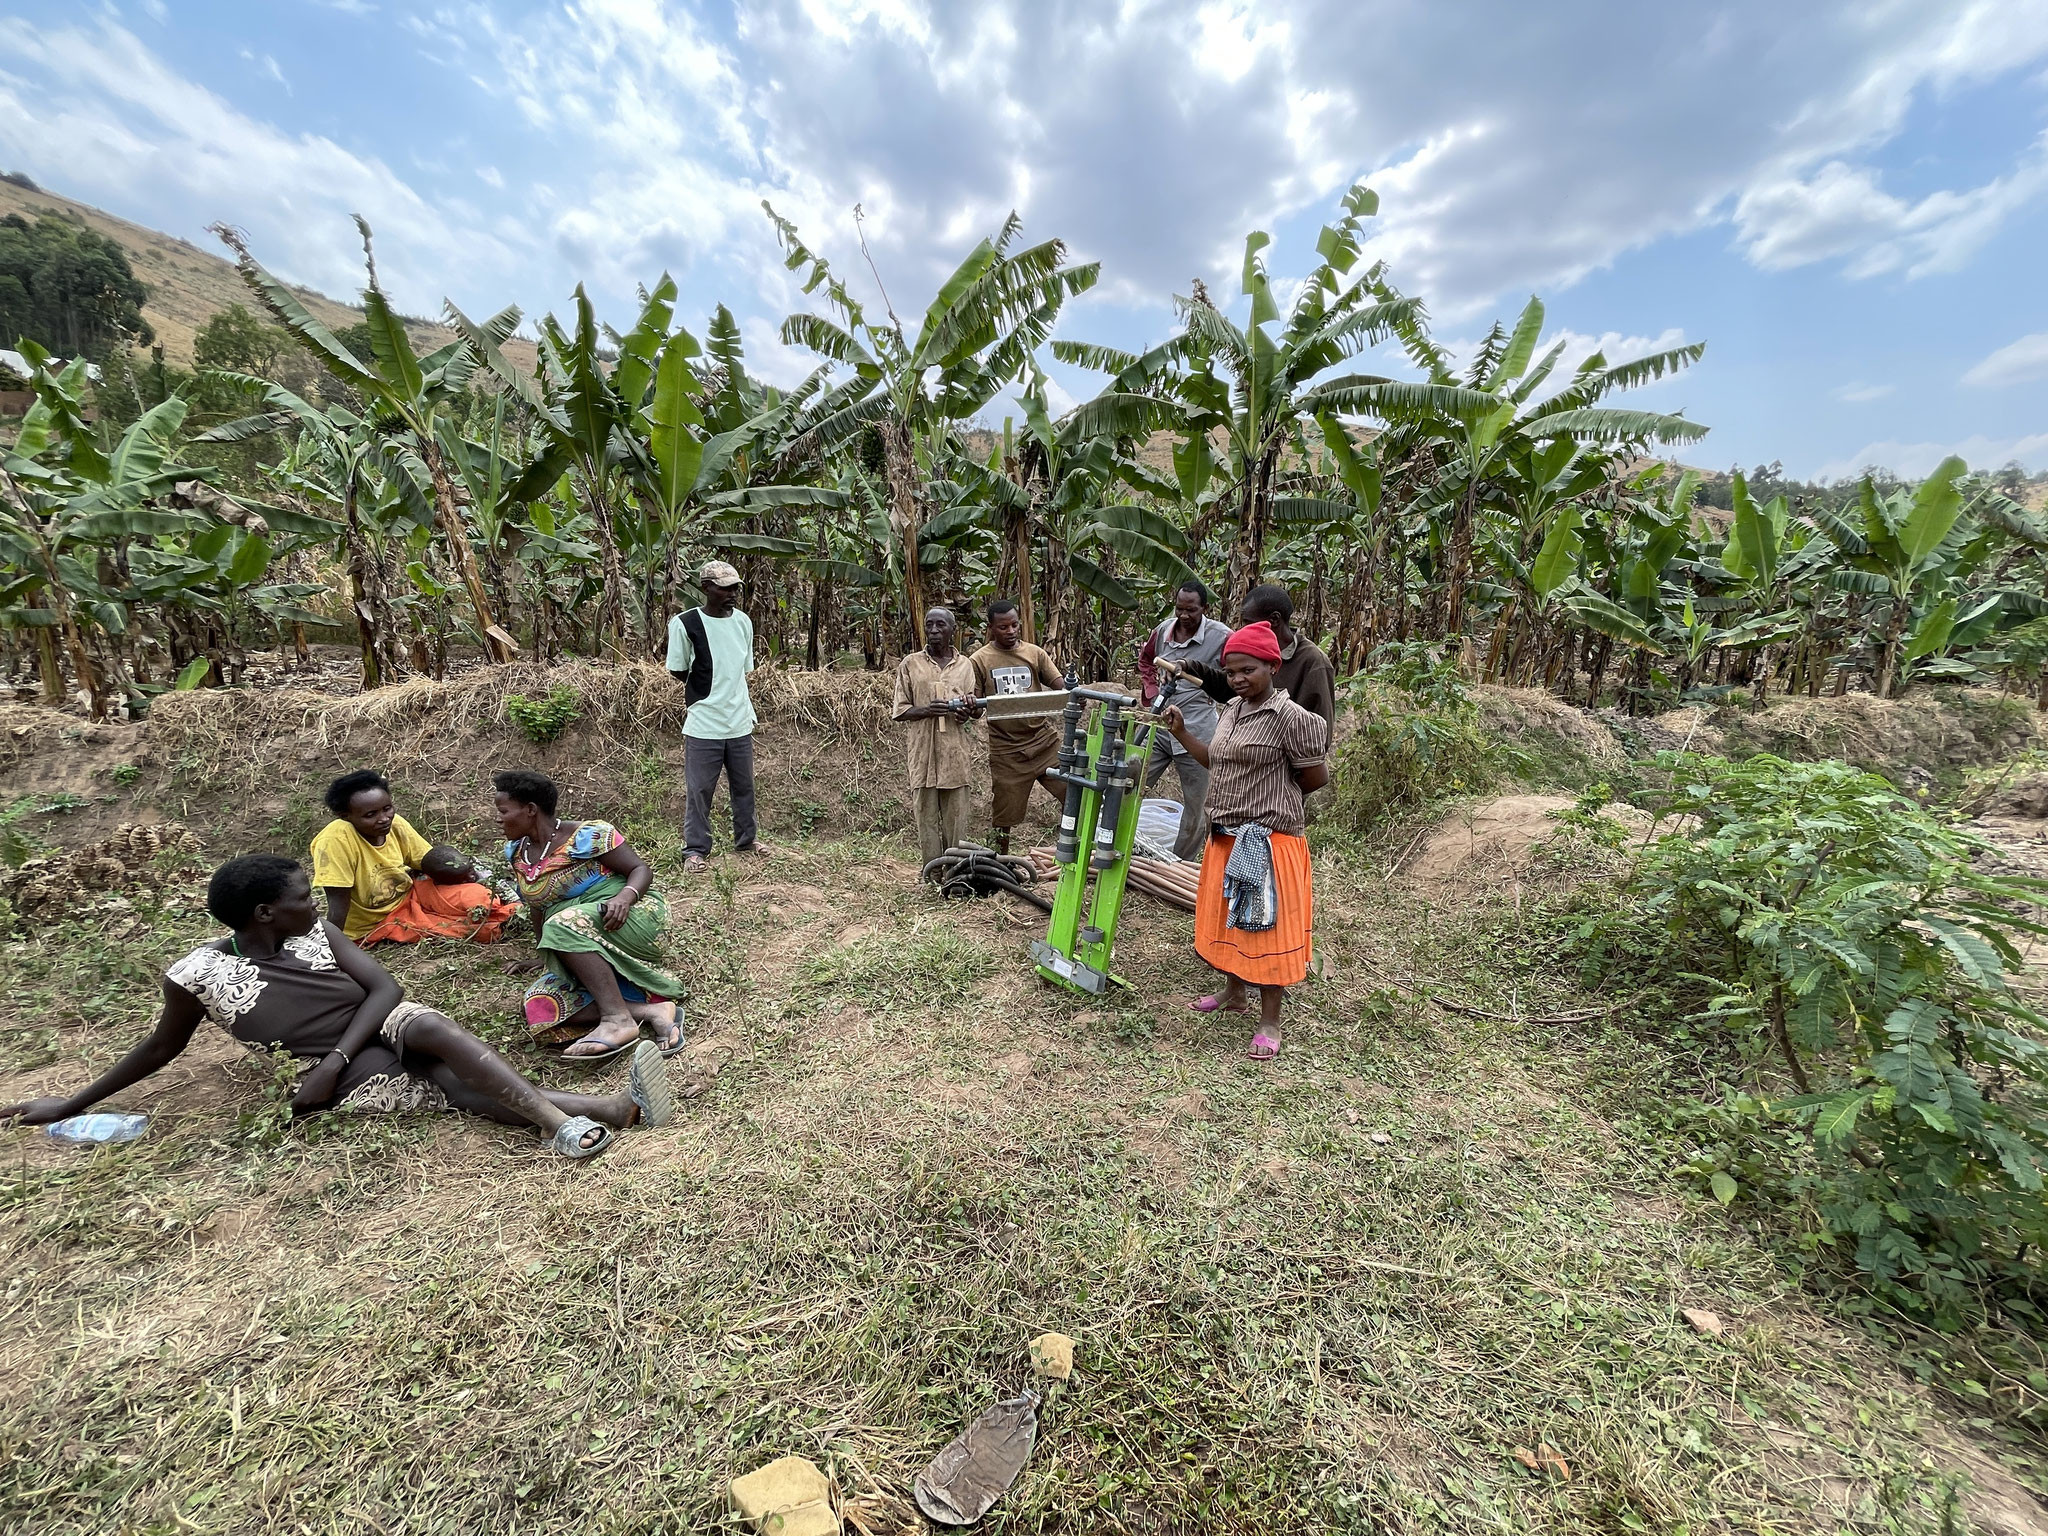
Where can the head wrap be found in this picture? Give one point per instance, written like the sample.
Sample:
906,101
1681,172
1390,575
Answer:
1255,640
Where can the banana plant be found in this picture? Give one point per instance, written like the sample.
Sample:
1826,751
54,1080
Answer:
1894,551
405,394
333,458
1255,384
914,389
1471,430
66,508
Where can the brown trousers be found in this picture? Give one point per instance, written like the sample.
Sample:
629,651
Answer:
941,820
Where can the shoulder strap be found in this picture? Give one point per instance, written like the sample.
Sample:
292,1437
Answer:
698,686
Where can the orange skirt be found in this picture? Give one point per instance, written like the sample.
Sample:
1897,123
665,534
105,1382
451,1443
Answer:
1277,957
443,911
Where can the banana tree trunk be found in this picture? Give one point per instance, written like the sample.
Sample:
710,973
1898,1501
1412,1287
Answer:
47,666
374,630
1894,630
1254,511
455,533
614,618
1458,565
1496,647
81,663
899,463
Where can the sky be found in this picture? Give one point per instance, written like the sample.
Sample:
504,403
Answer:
1847,200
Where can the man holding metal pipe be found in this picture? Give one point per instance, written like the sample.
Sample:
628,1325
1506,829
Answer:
935,697
1190,636
1021,753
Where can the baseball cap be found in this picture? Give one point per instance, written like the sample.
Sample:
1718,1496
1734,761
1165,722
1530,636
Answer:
717,573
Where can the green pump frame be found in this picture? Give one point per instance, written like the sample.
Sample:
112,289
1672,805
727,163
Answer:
1076,953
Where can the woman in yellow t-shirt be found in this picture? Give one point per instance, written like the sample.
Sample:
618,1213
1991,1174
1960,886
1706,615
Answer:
366,857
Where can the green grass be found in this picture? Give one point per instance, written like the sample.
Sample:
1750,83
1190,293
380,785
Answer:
1334,1294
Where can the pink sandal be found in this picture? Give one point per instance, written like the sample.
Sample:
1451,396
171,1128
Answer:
1212,1003
1263,1047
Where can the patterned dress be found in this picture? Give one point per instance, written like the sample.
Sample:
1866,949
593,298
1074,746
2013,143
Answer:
300,1001
564,894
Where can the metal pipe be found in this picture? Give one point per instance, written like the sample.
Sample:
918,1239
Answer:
1110,774
1072,759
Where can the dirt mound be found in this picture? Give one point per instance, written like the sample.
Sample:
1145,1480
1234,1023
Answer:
1491,836
1491,840
1562,745
1929,732
246,766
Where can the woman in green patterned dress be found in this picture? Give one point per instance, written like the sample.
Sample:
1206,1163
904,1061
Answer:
598,924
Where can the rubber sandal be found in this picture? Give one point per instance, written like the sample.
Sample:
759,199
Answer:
672,1044
1263,1047
569,1136
592,1058
696,864
1213,1004
647,1082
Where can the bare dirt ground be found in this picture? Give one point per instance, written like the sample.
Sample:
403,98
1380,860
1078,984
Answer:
1358,1289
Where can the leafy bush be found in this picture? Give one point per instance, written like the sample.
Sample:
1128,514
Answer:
1417,737
1844,932
544,720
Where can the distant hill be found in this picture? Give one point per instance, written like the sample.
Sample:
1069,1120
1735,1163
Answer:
188,286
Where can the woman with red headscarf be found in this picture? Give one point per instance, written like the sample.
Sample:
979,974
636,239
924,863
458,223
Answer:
1255,914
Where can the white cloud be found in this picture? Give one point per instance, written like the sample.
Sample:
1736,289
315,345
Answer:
269,68
1913,460
1856,393
157,10
2017,362
1840,210
119,127
1515,147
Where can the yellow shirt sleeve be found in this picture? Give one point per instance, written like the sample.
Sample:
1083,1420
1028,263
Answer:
410,843
337,855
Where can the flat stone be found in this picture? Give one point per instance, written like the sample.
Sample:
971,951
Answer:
1052,1356
788,1497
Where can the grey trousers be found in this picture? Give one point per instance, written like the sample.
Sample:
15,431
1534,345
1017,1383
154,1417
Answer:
1194,789
702,763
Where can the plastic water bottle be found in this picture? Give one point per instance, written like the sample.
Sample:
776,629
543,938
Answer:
106,1127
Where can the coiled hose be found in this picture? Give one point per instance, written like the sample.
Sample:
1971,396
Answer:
972,870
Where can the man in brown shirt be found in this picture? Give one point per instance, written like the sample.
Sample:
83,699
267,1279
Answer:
1304,671
1020,752
935,697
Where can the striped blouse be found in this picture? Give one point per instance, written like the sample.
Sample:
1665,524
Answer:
1254,757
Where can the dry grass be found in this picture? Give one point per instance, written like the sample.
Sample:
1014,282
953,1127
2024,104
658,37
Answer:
1332,1294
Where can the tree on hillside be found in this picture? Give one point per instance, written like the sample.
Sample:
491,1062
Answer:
67,289
239,341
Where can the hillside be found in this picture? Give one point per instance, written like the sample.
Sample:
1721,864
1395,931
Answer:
188,285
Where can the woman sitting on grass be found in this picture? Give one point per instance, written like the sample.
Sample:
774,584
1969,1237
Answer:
284,980
364,859
597,922
1254,910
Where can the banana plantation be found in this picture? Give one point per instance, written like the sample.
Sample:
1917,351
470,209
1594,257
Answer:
463,506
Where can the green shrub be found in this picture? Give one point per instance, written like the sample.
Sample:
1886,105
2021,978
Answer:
543,720
1417,738
1844,936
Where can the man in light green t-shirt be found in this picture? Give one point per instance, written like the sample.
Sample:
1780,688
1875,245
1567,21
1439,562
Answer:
711,651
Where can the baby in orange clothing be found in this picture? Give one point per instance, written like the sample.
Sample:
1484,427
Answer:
447,902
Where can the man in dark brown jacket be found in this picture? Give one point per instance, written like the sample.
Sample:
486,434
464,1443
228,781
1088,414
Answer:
1304,671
